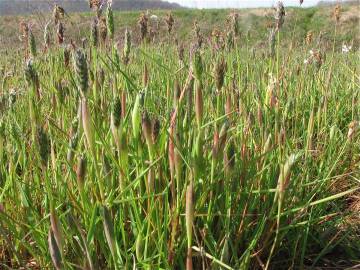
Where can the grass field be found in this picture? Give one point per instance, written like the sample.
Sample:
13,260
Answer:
237,148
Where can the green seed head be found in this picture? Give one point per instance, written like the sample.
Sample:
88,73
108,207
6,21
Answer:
197,65
116,112
44,145
32,44
31,75
110,21
81,70
127,46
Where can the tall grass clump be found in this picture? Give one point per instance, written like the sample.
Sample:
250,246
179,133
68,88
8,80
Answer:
202,148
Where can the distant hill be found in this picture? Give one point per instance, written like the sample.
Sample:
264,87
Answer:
18,7
331,3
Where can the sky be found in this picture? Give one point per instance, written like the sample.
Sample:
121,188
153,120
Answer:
241,3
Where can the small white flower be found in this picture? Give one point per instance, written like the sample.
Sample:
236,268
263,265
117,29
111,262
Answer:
154,17
346,48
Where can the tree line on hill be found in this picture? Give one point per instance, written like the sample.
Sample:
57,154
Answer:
18,7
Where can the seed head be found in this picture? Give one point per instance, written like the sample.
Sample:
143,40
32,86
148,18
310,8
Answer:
32,44
54,250
94,37
169,22
229,40
116,112
272,42
87,125
198,36
56,228
81,70
143,24
198,104
58,14
109,229
234,19
81,171
197,64
181,50
110,21
337,11
219,73
74,138
229,157
155,129
353,128
31,75
67,53
279,15
60,33
147,128
24,29
44,145
136,116
47,41
127,46
103,30
285,171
